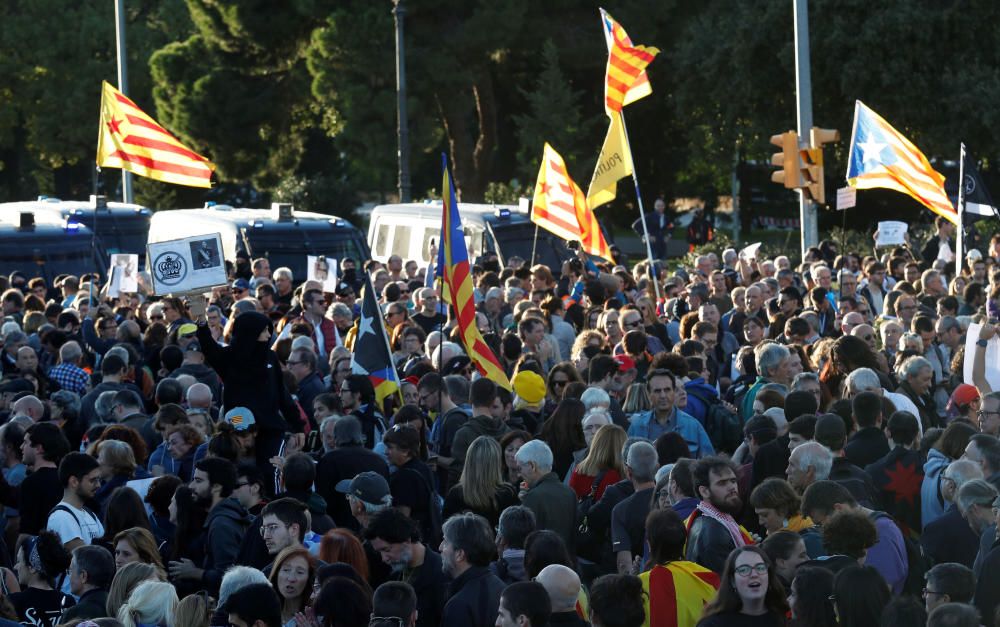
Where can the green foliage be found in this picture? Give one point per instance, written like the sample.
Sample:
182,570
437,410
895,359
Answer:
505,193
555,116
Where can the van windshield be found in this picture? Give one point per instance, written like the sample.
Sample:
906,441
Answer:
49,256
517,239
289,247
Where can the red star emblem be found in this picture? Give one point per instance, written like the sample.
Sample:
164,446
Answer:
904,481
114,125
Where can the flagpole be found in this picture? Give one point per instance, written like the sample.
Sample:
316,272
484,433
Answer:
533,245
653,274
960,239
122,85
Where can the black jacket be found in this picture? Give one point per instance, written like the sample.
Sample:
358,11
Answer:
857,482
224,529
567,619
898,477
309,388
708,544
431,586
92,604
251,374
949,538
988,584
474,599
345,463
866,446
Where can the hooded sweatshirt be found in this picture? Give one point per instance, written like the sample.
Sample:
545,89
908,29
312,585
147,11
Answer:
475,427
227,522
251,374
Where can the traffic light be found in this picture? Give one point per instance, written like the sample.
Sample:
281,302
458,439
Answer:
789,160
813,162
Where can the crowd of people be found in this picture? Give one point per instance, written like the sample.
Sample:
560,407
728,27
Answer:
765,444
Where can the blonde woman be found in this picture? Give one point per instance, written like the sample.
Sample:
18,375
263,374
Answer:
636,399
128,579
481,488
586,338
192,611
151,603
136,545
602,465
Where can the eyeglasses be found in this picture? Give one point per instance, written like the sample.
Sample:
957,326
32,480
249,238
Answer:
156,317
746,569
982,413
270,529
559,383
631,324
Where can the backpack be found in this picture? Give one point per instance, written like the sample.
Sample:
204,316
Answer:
589,543
724,428
433,532
917,564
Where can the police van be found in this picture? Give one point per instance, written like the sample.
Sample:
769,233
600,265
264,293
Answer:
409,229
119,227
40,243
282,235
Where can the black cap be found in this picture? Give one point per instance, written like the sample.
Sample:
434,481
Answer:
369,487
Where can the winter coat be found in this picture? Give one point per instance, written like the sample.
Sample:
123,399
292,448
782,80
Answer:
224,529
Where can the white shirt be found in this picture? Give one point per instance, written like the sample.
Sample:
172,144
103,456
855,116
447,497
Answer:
81,524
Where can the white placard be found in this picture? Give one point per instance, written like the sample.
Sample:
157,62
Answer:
187,265
847,197
992,357
891,233
122,275
944,253
750,252
324,270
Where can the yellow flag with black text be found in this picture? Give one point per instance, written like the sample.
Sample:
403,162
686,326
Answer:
614,164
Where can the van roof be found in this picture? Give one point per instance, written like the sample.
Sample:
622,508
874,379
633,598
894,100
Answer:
45,203
432,209
226,214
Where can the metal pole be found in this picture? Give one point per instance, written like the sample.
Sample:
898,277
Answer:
402,128
653,274
122,83
803,93
960,237
534,245
735,193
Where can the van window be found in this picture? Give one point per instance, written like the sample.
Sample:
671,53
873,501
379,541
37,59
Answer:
289,249
401,241
382,239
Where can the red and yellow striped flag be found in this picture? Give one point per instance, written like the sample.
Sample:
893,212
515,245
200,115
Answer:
131,140
676,593
625,79
560,207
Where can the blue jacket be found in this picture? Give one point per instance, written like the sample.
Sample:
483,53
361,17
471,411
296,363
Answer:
689,428
932,504
697,409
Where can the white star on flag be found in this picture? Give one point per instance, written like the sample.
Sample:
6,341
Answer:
871,149
365,326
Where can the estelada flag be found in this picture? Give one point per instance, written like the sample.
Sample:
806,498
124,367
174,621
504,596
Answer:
560,207
625,80
453,267
882,157
371,355
131,140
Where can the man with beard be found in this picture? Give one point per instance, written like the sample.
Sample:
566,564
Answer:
213,484
712,531
283,523
396,537
76,525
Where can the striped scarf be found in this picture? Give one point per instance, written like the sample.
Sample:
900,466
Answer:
740,537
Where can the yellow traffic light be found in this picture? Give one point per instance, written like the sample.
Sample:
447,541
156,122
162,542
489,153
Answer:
813,158
790,174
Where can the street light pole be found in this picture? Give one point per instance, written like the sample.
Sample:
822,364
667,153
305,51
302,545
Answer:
803,93
402,130
122,82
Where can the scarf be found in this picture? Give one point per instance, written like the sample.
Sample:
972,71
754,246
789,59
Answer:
727,521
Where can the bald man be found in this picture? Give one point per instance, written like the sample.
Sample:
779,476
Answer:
563,586
28,406
851,320
866,333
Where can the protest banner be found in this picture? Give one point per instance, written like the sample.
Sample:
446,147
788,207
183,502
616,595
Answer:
186,265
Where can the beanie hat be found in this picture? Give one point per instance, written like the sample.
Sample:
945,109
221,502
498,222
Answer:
529,386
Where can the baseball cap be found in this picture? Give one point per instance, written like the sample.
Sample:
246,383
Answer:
187,329
241,284
241,418
963,395
193,347
369,487
625,363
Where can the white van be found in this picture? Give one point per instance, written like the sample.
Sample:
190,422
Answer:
282,235
408,229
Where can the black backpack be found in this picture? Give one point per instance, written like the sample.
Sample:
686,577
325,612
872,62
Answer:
917,564
589,542
724,428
